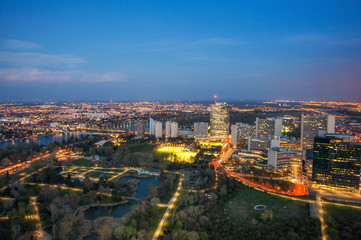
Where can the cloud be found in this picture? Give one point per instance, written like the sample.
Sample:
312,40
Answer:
17,44
38,59
182,45
104,77
306,38
33,75
351,41
323,39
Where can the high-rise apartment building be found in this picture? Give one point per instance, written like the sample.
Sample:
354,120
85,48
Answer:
312,124
200,129
336,163
152,123
174,129
219,121
167,129
140,128
158,129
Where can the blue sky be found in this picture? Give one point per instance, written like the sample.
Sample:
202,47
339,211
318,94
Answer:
180,50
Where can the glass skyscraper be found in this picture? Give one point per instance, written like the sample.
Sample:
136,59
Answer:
219,121
336,163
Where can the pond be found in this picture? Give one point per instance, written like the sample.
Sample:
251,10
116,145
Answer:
120,210
142,190
259,207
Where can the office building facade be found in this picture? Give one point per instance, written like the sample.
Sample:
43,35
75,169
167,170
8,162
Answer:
312,124
285,159
219,119
200,129
336,163
268,127
241,131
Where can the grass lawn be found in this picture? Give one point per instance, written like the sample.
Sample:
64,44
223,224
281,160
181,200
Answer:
341,212
81,170
62,192
180,153
84,162
139,147
109,175
342,222
94,174
240,208
117,170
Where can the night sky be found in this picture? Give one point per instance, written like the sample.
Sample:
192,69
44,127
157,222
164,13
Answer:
180,50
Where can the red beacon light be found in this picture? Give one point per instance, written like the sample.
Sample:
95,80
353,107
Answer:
215,97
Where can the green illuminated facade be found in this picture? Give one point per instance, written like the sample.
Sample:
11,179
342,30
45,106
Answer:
336,163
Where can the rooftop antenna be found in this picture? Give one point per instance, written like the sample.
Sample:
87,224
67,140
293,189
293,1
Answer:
215,98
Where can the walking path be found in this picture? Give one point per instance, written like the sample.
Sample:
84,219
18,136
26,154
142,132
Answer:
319,214
171,205
39,233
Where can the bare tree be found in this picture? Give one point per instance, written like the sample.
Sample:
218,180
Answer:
90,196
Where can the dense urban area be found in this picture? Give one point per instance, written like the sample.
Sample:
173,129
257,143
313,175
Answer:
180,170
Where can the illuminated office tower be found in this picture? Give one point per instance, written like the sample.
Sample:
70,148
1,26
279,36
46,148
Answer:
167,129
261,144
241,131
331,119
200,129
219,121
174,129
268,127
289,142
158,129
336,163
234,134
140,128
312,124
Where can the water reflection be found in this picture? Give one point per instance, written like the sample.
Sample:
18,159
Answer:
122,209
47,139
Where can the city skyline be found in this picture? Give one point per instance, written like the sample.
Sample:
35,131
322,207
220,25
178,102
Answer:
163,170
162,120
128,51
